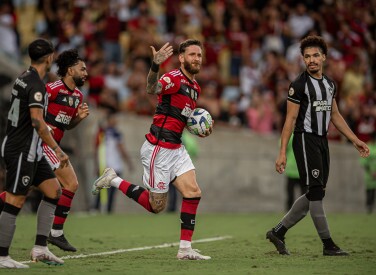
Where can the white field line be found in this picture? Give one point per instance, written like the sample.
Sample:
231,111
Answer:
79,256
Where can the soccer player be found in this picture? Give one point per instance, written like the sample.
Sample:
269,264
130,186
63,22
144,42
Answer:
65,111
164,158
24,160
311,106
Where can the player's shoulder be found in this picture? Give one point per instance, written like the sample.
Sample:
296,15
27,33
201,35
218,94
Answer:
172,74
327,78
300,81
55,85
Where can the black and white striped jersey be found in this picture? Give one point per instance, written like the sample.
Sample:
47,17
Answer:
21,138
315,97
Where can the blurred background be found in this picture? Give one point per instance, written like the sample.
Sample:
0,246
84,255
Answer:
251,52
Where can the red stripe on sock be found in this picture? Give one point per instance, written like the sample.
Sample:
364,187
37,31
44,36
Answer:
66,198
189,206
186,235
143,200
2,196
124,185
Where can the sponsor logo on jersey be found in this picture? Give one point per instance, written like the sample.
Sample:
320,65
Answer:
62,91
315,173
330,89
322,106
25,180
76,103
19,82
38,96
187,110
185,82
63,118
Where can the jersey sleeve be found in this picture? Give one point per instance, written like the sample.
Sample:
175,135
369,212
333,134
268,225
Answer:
170,83
52,93
295,93
36,95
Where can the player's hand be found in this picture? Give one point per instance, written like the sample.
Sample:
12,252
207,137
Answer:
208,131
64,159
280,163
362,148
83,111
163,54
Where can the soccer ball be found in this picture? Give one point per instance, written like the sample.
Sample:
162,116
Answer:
199,121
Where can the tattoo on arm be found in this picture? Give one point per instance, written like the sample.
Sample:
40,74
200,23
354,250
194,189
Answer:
153,86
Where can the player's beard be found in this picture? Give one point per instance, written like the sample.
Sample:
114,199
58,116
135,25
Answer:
78,81
188,67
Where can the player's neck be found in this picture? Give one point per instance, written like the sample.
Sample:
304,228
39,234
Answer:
69,83
317,75
187,74
41,69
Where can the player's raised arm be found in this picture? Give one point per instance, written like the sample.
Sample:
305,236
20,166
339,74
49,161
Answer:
152,86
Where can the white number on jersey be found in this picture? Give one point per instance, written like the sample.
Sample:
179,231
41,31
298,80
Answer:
14,112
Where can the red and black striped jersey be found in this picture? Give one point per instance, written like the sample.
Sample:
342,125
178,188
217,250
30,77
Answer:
175,104
62,106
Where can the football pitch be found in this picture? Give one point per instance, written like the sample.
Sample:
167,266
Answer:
147,244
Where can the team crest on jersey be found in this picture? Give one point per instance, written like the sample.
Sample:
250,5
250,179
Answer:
161,185
38,96
25,180
70,101
291,91
315,173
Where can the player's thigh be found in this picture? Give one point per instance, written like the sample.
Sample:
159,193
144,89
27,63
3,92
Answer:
187,185
19,175
46,180
309,159
67,177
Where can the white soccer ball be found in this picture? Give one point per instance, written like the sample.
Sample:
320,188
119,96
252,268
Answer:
199,121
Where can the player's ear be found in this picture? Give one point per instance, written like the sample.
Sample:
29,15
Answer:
181,58
323,57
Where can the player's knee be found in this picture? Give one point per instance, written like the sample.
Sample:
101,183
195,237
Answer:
315,193
194,192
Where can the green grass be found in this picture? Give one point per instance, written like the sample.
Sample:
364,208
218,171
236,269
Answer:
247,252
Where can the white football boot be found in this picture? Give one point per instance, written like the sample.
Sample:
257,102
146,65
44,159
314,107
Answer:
8,262
104,181
44,255
191,254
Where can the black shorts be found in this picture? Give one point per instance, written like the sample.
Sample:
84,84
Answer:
312,157
22,174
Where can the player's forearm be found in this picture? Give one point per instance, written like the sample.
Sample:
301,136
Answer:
341,125
74,122
152,82
286,134
43,131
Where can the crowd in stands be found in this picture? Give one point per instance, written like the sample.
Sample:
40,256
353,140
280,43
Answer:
251,51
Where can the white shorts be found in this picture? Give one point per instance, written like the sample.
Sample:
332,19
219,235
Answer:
162,166
51,157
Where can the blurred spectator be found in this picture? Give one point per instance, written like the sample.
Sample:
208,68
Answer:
8,31
369,165
110,152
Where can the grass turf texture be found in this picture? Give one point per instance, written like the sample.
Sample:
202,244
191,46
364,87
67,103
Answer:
247,252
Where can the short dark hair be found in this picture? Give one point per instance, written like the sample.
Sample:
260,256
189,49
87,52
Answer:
313,41
40,48
188,43
67,59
